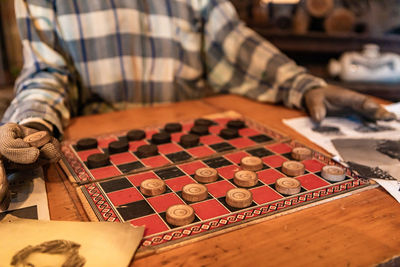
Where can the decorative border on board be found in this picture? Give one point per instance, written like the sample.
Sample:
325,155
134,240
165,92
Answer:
79,173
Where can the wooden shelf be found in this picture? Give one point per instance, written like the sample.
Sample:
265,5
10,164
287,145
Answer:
318,42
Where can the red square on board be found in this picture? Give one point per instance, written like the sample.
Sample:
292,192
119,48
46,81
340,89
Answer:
135,144
105,172
190,168
137,179
219,189
269,176
264,194
169,148
215,129
124,196
176,137
280,148
103,143
210,139
209,209
236,157
241,142
311,181
155,161
86,153
228,171
121,158
200,151
313,165
153,224
176,184
162,202
187,127
248,132
274,160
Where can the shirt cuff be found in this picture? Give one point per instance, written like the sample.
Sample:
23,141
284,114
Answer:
38,120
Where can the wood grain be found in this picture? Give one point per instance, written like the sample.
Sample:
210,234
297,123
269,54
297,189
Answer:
358,230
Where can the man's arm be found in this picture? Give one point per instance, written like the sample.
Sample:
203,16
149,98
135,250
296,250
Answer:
41,89
240,61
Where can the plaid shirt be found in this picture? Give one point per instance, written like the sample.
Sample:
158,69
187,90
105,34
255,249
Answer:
91,56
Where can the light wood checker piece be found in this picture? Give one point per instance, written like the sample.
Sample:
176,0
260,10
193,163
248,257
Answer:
333,173
239,197
293,168
38,139
180,215
194,192
206,175
245,178
301,153
251,163
287,186
152,187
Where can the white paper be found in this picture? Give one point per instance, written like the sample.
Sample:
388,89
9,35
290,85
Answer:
29,190
349,128
391,186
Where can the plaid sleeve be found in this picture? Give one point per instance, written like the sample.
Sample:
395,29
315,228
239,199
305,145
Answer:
242,62
41,89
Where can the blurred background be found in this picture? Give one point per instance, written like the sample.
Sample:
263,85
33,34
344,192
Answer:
310,31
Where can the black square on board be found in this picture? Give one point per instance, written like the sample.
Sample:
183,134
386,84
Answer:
220,147
115,184
217,162
179,156
135,210
169,173
127,167
261,138
259,152
164,217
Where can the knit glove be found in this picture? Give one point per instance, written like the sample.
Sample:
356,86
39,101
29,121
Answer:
333,100
17,154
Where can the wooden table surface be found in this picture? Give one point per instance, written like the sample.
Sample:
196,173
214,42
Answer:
358,230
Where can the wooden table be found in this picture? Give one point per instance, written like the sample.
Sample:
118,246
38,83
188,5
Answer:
359,230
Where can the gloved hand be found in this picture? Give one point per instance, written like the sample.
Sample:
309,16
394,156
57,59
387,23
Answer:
334,100
16,154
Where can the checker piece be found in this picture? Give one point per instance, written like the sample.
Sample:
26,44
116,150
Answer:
333,173
173,127
206,175
239,198
135,135
38,139
251,163
152,187
203,122
180,215
228,133
145,151
98,160
86,143
161,138
194,192
236,124
189,140
118,147
288,186
245,178
293,168
301,153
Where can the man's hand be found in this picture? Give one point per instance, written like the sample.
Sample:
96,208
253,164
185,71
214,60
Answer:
333,100
18,154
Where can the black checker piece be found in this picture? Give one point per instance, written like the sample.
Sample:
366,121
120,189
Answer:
169,173
260,152
220,147
128,167
261,138
217,162
179,156
135,210
116,184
